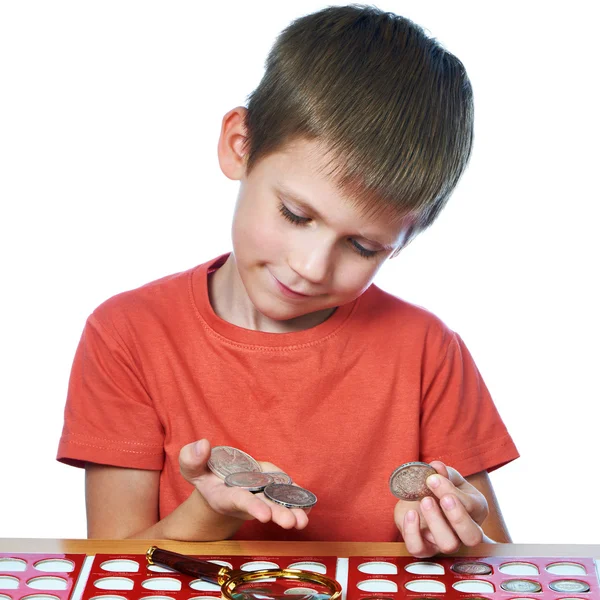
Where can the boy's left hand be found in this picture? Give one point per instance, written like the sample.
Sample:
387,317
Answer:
443,523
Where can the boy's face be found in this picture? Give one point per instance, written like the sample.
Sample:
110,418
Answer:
300,246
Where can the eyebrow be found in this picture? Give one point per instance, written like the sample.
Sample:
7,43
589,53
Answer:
306,205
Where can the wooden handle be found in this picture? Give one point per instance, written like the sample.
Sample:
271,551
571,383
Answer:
195,567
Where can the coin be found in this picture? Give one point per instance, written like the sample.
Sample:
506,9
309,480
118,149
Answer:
279,476
569,585
225,460
521,585
471,568
289,495
253,481
407,482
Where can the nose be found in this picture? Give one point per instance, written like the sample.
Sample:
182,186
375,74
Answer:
312,263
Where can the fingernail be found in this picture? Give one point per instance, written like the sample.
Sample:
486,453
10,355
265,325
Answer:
448,502
427,503
198,448
411,516
433,481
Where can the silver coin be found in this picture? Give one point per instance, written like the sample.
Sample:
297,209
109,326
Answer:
407,482
471,568
279,476
253,481
289,495
225,460
569,585
521,585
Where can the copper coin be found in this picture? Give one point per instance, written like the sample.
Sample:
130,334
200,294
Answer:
521,585
407,482
253,481
471,568
573,586
225,460
289,495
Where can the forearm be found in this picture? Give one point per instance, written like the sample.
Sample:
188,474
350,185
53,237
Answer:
193,520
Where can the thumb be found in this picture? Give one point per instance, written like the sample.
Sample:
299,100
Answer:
193,458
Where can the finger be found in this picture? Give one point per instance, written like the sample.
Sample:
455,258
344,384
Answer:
287,518
467,530
193,458
441,486
441,468
235,502
444,536
415,543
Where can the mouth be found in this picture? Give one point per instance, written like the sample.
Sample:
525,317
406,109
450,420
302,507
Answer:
286,291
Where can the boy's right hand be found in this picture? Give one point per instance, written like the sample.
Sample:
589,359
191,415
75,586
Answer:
234,502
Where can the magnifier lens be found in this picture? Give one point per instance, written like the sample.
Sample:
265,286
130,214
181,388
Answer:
279,588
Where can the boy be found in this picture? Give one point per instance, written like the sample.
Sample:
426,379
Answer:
349,147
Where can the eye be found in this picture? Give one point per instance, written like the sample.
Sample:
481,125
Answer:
361,250
286,213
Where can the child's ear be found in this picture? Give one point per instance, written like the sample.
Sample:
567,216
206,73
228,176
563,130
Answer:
232,144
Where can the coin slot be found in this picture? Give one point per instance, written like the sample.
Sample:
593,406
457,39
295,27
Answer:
12,564
160,569
158,598
5,597
121,565
40,597
314,567
204,586
521,585
377,585
566,568
471,568
162,583
8,583
300,591
259,565
55,565
222,563
519,568
114,583
474,586
378,568
425,568
48,583
569,585
109,597
427,586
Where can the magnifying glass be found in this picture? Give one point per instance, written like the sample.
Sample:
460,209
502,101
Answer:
266,584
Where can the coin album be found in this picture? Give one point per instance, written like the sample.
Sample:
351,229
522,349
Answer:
31,576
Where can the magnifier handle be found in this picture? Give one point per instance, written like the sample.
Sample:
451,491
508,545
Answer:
195,567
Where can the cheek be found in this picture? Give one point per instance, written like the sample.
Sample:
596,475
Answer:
255,234
353,279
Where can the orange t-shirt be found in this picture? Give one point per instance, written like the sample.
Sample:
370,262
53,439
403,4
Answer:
338,406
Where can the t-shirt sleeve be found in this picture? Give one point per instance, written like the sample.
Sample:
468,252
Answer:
460,424
109,417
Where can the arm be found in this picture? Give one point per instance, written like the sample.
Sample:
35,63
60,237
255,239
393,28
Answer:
493,526
123,503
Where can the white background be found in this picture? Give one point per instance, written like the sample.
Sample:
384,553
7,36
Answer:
109,117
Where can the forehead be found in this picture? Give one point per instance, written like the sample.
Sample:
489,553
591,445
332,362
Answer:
310,170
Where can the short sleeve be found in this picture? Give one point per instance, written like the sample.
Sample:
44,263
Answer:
460,424
109,417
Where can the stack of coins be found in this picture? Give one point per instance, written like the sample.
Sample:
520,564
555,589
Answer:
239,469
